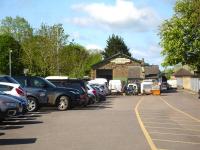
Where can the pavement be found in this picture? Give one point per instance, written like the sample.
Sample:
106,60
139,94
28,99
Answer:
169,121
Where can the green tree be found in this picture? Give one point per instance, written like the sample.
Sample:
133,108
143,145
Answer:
180,35
41,53
8,43
76,61
115,44
18,28
39,56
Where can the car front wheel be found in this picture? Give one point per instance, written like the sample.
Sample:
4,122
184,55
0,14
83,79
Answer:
63,103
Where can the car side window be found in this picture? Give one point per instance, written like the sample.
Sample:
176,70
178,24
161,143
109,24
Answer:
5,88
36,82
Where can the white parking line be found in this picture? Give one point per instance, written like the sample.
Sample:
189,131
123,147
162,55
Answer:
172,128
178,134
168,119
173,141
171,124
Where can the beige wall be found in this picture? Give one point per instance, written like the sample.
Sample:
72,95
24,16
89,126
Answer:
187,83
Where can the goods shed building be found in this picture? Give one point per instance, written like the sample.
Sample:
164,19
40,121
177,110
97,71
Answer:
124,68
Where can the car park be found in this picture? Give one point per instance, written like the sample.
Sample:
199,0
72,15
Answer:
60,97
9,106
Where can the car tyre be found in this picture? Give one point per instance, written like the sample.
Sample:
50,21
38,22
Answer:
63,103
32,104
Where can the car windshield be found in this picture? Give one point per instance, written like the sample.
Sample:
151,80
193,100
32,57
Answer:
49,83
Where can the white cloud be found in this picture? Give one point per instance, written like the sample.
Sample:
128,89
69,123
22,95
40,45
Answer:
123,15
151,54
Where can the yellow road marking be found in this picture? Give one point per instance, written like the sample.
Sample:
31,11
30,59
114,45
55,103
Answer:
175,124
173,141
178,110
172,128
146,134
193,135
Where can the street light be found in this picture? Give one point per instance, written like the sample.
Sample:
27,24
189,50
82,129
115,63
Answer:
10,63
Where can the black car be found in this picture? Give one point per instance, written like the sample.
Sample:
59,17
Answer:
77,84
48,94
9,106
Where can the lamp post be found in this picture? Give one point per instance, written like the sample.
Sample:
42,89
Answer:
10,62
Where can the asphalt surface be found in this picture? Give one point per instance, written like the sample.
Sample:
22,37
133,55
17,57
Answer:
169,121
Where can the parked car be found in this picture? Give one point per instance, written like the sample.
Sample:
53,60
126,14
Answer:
13,89
100,93
146,87
91,98
101,82
172,83
51,95
115,86
31,94
9,106
54,79
199,93
92,91
79,85
131,89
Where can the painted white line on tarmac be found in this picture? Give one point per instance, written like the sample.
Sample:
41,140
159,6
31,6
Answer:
178,134
168,119
173,141
172,128
171,124
146,134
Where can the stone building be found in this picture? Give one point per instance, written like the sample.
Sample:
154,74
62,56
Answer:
124,68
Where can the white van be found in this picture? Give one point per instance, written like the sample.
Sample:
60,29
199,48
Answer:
99,81
146,87
115,86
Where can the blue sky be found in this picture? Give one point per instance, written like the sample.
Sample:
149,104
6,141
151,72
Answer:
91,22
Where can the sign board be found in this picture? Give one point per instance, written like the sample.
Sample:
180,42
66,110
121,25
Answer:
121,60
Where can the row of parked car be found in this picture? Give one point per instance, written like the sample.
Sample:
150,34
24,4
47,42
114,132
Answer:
21,94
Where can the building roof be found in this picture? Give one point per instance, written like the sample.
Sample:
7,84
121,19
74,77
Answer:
183,73
151,70
118,55
135,72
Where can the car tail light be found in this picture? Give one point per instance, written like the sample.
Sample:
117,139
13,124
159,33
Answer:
94,92
20,91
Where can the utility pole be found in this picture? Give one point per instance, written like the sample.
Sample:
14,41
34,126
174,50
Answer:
10,62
